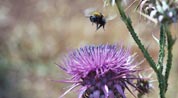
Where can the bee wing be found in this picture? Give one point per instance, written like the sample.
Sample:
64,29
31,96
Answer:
110,13
111,17
109,2
89,11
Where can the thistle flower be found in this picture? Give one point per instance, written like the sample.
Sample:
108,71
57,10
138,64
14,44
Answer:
103,71
161,12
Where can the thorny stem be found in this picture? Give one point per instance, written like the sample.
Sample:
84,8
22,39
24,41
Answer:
127,21
170,43
162,79
161,85
162,43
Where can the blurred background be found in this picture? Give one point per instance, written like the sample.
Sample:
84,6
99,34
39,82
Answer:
36,34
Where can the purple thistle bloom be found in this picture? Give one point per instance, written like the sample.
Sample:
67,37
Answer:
103,71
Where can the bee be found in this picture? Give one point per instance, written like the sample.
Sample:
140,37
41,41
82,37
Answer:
86,94
98,18
159,11
143,85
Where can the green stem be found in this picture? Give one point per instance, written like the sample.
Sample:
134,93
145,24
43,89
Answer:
170,43
128,23
162,44
161,85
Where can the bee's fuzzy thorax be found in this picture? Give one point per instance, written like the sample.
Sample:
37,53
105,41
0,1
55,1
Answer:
98,18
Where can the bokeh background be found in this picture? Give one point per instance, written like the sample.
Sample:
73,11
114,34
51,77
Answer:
36,34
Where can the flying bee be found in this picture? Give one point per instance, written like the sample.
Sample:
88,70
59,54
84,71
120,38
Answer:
97,17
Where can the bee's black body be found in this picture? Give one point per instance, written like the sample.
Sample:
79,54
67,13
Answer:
99,19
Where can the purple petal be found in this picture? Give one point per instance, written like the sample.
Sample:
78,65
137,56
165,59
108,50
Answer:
111,94
96,94
82,91
106,91
120,90
72,87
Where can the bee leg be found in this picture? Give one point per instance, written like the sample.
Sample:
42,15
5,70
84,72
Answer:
103,26
97,27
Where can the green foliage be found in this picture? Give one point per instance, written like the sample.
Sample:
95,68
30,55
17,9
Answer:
158,68
170,43
128,23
